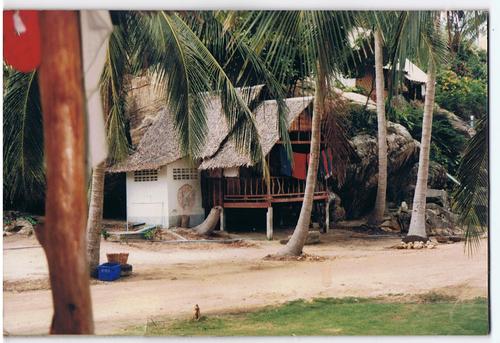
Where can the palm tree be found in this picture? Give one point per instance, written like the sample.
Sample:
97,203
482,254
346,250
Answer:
318,39
379,209
464,27
429,44
383,27
111,87
417,223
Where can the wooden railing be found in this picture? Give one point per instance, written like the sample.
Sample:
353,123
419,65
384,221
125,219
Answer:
219,191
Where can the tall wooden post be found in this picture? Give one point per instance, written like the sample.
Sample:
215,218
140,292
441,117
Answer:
327,216
63,236
269,214
269,223
222,223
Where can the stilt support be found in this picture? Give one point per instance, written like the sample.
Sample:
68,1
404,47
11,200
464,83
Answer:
269,222
327,216
222,219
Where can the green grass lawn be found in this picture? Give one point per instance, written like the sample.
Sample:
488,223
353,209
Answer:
347,316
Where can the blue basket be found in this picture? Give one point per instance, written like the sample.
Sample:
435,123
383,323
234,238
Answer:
108,271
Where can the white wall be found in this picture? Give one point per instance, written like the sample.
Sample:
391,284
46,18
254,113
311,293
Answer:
156,202
196,212
148,201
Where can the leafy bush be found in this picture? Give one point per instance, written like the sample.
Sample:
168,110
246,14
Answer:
472,63
362,121
446,144
150,235
105,234
461,94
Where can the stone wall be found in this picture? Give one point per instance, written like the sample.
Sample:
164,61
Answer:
144,101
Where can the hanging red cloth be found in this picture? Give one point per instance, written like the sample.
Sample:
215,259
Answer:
299,170
21,40
326,156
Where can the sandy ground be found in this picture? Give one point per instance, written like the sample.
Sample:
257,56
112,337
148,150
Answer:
169,279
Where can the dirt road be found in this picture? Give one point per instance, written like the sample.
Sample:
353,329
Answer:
169,279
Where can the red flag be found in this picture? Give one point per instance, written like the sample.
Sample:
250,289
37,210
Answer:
21,40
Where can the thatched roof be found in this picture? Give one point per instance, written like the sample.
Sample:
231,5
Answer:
266,117
217,125
160,144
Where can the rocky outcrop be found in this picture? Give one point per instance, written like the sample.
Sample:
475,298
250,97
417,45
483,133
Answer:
144,102
456,122
359,190
440,221
437,180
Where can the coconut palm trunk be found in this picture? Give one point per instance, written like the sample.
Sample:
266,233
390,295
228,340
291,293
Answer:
417,224
296,243
94,221
379,209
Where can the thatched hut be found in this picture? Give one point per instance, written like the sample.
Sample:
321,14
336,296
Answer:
162,184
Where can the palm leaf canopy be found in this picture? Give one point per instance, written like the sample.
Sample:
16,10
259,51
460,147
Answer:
471,196
416,36
312,37
113,95
413,35
23,173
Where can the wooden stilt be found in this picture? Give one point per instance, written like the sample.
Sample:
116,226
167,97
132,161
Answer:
269,222
222,219
327,216
63,235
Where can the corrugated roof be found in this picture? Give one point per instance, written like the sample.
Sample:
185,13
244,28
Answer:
412,72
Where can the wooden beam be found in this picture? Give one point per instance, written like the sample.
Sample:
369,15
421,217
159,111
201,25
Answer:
63,236
298,199
242,204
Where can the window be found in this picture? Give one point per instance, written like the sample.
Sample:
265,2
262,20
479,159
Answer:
146,175
185,174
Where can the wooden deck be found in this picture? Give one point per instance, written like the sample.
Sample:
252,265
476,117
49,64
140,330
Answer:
238,192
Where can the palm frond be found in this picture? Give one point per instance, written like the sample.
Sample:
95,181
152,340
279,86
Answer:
417,37
189,76
313,38
242,64
24,174
112,91
335,135
471,197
